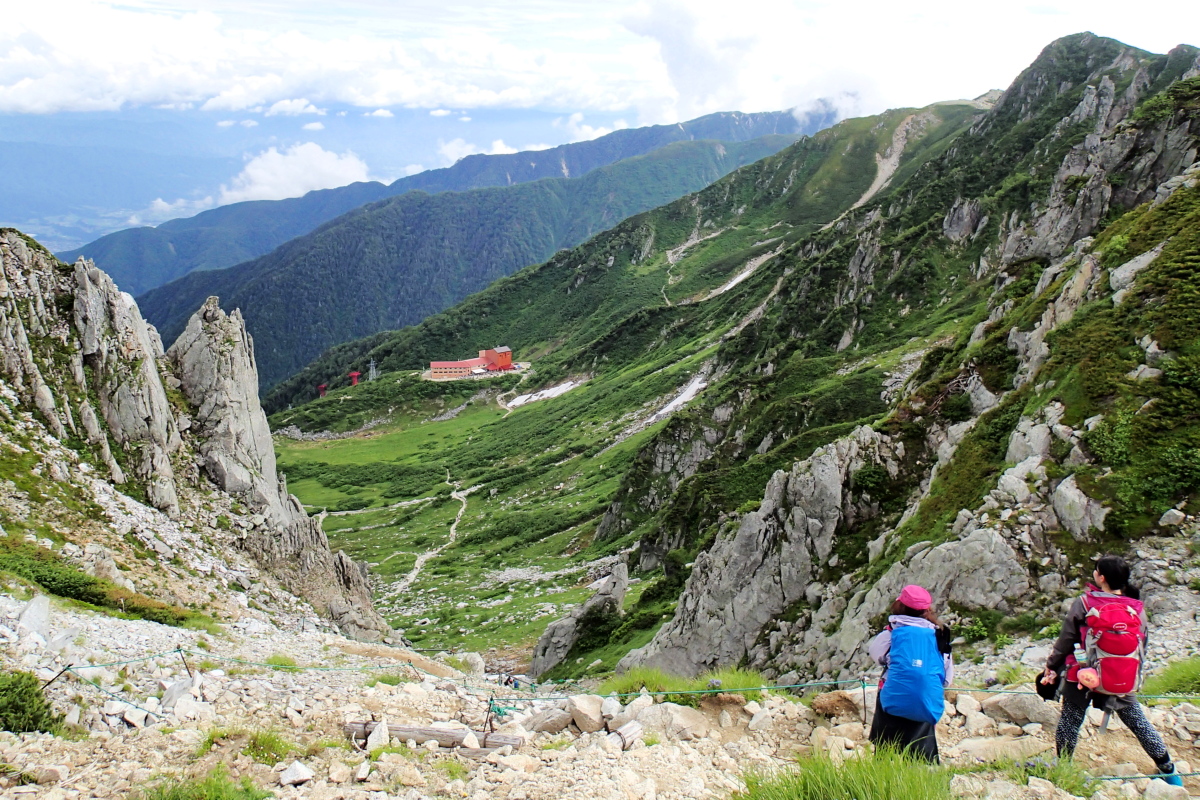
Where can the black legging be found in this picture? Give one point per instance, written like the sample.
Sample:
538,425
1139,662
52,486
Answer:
1067,734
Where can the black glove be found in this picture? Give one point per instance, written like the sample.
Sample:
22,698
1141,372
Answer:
943,640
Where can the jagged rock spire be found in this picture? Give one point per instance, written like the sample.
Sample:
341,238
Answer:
214,360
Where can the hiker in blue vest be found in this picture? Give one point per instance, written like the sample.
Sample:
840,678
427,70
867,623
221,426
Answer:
1090,666
914,650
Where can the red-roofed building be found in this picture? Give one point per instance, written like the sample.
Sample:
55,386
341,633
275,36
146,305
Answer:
497,359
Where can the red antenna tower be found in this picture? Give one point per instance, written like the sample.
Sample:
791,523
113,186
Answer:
321,389
354,378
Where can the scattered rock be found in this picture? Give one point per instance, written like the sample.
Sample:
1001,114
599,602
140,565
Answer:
295,775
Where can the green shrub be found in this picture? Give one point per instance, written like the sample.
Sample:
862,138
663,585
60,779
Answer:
23,705
1178,677
389,678
677,690
215,786
280,661
48,570
884,775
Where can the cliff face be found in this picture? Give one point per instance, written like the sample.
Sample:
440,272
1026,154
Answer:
214,362
77,352
1006,450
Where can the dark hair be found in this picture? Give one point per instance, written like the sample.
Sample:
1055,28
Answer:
1115,571
900,609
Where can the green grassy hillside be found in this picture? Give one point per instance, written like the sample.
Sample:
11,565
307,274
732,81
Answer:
841,310
546,472
395,262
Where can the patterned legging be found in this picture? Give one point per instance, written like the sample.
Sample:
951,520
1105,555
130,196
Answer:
1067,735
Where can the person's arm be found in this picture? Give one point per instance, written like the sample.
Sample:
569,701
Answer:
1068,637
880,646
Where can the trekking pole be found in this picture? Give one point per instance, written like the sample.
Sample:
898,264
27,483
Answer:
1104,721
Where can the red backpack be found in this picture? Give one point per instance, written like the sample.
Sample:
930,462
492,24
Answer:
1114,643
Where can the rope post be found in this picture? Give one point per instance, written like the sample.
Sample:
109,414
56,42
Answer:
184,660
56,677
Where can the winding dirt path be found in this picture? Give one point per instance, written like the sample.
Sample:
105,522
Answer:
407,581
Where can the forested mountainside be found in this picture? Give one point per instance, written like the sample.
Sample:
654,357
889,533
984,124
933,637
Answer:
140,259
395,262
781,408
565,309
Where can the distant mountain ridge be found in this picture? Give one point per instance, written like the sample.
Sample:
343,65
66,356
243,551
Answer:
140,259
397,261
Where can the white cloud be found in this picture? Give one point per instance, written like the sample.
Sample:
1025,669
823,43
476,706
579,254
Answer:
160,210
249,123
313,126
301,168
456,149
440,112
413,169
464,119
294,108
578,131
227,123
529,147
665,59
380,112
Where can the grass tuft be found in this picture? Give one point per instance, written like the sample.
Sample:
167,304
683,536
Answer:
389,678
217,785
280,661
884,775
731,679
268,747
1178,677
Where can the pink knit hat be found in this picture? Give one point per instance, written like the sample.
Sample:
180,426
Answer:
915,597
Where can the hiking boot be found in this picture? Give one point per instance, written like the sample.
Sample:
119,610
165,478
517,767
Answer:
1170,777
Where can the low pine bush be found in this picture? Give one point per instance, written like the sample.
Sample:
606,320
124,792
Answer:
885,775
23,705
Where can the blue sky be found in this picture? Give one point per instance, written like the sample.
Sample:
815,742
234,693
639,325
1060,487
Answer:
305,94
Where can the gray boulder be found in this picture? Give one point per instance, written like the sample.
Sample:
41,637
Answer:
560,636
35,616
552,720
1077,512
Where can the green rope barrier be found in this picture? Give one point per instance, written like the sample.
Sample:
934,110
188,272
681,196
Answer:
113,694
1143,777
720,690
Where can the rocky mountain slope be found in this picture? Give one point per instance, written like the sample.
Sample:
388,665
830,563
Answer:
98,420
141,259
1001,450
186,704
777,401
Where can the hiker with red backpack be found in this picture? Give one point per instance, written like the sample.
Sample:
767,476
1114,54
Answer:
914,650
1098,660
